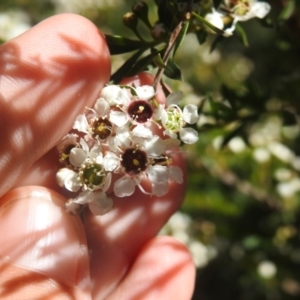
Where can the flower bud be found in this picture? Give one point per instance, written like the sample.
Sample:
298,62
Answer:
130,20
141,10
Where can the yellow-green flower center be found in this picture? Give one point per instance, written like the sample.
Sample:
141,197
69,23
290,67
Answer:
174,119
101,128
92,175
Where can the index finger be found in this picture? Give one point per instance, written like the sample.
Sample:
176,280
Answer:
47,76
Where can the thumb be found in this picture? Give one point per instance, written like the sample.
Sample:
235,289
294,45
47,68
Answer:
48,75
43,249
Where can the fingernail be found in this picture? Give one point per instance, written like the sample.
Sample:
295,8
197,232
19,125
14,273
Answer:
37,234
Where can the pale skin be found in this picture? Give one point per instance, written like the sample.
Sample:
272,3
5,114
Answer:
48,76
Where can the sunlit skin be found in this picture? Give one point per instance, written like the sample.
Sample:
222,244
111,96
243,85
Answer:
48,76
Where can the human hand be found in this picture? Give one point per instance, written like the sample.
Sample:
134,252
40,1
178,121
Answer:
48,75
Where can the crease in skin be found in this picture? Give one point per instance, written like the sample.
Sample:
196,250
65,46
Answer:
38,235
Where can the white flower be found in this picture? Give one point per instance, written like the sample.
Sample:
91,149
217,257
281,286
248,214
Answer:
128,104
215,18
69,179
115,95
142,158
99,203
174,119
245,10
97,125
88,172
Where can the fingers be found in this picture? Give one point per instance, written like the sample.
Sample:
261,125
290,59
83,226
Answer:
163,270
47,76
43,252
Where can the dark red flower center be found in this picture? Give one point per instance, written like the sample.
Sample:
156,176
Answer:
140,111
134,161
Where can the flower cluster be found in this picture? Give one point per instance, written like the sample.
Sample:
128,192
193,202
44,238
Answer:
237,11
116,139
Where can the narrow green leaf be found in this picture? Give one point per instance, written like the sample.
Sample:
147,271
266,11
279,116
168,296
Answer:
201,36
208,24
243,35
123,70
287,11
118,44
181,36
172,70
142,64
158,61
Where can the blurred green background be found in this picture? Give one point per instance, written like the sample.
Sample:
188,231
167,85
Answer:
240,217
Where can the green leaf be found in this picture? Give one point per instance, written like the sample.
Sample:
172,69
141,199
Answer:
172,70
158,61
142,64
123,70
208,24
201,36
118,44
287,11
181,36
243,35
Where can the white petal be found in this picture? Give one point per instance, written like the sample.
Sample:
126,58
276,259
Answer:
101,204
96,153
101,107
158,112
118,118
106,182
69,179
190,113
142,131
261,9
258,10
145,92
124,186
110,93
69,139
154,146
61,176
164,116
174,98
99,159
175,174
84,197
81,124
77,157
72,207
157,173
188,135
215,18
122,138
111,161
84,146
114,95
171,134
160,189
